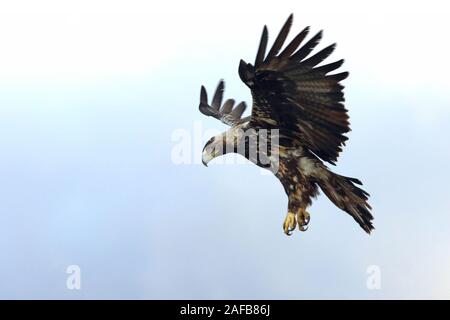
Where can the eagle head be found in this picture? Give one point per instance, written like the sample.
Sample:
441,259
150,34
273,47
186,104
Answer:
215,147
246,73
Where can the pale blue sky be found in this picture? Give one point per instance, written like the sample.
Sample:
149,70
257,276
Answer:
89,99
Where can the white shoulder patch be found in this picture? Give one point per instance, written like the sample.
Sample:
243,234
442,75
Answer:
310,167
307,166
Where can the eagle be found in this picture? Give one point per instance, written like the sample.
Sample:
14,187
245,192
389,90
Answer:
298,104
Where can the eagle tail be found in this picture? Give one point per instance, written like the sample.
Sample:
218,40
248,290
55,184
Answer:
344,193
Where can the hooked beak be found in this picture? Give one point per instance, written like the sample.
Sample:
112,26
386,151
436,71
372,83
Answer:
206,157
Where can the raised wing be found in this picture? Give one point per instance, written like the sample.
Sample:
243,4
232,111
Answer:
294,95
227,113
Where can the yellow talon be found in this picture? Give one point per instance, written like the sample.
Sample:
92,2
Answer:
289,223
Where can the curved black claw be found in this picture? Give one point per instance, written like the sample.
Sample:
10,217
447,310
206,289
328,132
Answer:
290,230
302,227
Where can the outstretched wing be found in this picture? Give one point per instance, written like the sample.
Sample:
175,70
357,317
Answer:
227,113
294,95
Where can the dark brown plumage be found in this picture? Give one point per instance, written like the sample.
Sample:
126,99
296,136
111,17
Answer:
308,101
298,97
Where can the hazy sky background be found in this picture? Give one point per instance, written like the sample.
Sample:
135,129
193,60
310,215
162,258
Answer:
91,93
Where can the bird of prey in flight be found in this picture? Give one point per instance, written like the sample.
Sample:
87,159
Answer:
297,101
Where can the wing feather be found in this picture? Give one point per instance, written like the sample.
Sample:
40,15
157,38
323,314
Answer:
225,113
295,94
218,95
227,106
262,47
239,109
290,49
308,47
279,41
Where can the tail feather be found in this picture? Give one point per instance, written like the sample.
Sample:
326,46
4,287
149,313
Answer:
343,192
